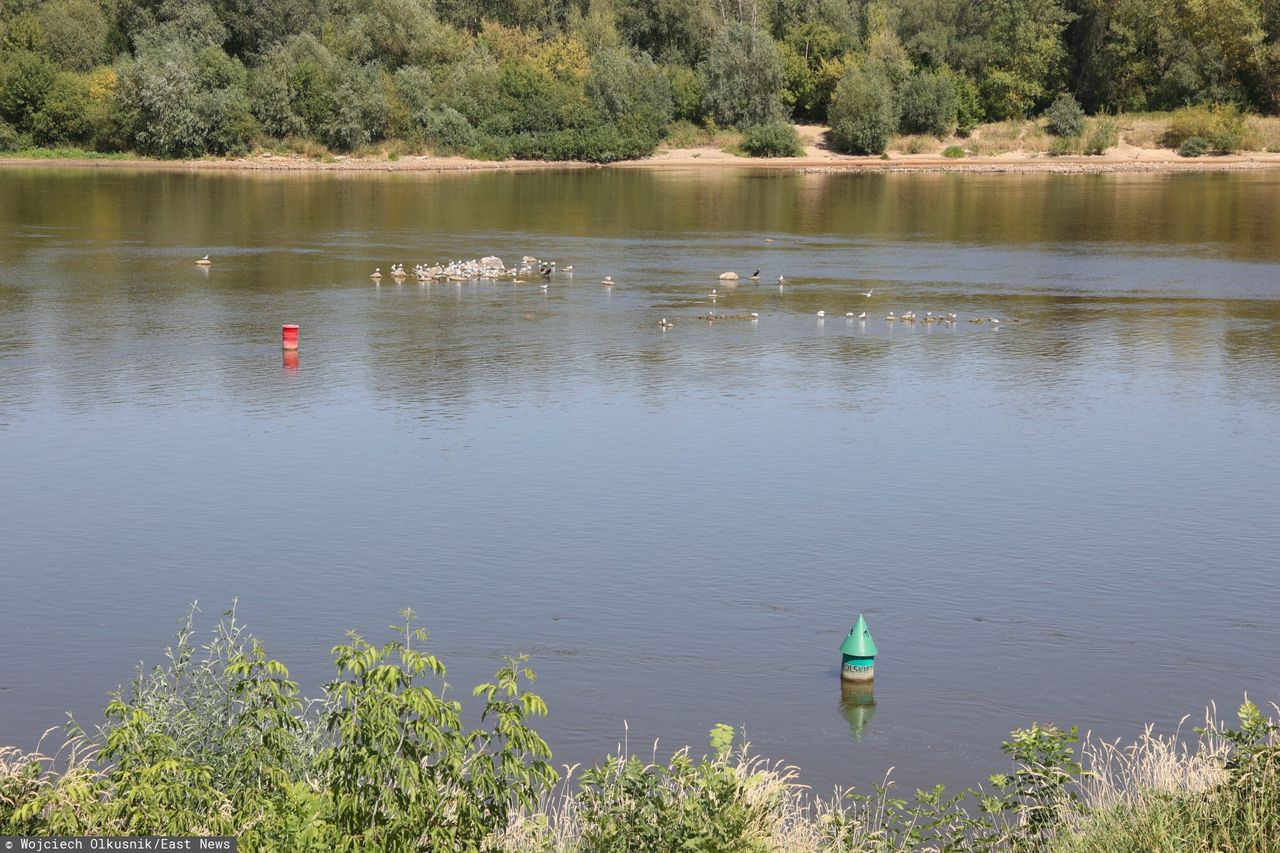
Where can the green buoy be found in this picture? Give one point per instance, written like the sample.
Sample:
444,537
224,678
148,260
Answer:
858,662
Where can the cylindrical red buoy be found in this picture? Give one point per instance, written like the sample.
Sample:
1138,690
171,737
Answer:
289,336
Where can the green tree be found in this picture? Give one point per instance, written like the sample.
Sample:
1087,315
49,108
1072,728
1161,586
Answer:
809,54
291,87
64,117
686,92
75,33
1229,38
631,92
177,100
742,77
25,81
354,111
256,26
22,30
1022,54
927,103
863,115
671,31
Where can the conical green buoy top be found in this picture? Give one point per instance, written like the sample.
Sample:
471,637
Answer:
859,643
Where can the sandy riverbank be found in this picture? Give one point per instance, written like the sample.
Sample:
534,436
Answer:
817,157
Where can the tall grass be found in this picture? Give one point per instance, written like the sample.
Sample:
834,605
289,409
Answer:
1220,792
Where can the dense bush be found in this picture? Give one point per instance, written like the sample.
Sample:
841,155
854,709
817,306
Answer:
10,139
968,104
776,139
178,100
64,117
927,104
447,131
631,93
863,116
25,81
1194,146
355,110
1224,126
1065,117
686,93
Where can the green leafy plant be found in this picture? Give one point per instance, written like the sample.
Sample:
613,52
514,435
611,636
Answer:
1104,135
776,139
1039,789
1194,146
1065,117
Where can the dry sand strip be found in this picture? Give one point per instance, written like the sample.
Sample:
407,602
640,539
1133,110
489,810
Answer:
815,160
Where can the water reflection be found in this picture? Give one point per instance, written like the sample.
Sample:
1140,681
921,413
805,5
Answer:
857,706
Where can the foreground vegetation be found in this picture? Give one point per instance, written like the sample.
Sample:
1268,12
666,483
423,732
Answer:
603,80
217,740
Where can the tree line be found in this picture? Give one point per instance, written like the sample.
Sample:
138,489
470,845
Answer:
602,80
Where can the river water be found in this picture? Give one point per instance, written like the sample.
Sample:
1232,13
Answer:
1069,516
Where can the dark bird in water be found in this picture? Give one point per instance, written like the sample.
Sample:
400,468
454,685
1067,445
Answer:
545,270
756,274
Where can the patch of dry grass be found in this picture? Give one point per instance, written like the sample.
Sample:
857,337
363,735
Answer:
998,138
915,144
1267,133
1169,793
1143,130
1125,773
686,134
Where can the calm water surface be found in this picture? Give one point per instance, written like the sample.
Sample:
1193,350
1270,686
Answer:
1071,517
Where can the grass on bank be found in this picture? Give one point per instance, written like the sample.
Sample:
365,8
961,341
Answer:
217,740
67,154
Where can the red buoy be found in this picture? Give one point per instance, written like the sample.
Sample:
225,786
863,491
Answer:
289,336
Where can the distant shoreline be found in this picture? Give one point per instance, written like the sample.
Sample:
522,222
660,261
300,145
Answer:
1130,161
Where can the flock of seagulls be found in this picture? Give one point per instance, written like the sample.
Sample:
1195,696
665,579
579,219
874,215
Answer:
491,267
